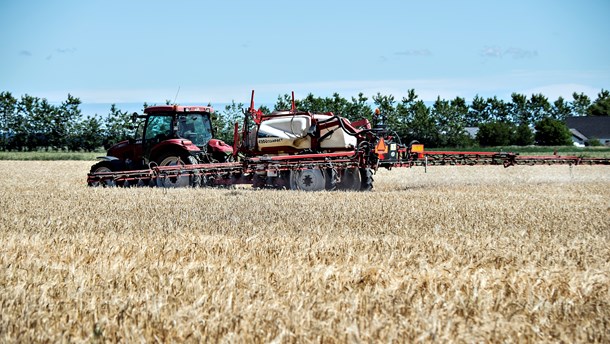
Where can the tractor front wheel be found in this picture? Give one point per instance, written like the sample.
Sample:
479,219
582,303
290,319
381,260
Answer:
173,159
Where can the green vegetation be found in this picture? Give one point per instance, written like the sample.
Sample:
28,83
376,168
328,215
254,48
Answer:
552,132
50,155
601,107
30,124
497,134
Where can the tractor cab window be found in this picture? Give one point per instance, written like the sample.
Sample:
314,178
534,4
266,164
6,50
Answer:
159,127
196,128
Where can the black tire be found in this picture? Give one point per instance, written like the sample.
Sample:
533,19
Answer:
106,166
366,175
351,180
101,167
331,179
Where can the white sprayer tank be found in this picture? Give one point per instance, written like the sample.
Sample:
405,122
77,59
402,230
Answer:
291,131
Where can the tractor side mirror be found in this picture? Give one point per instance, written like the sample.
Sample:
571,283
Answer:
134,116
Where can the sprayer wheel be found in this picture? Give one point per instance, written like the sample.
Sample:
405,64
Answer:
332,179
350,180
307,180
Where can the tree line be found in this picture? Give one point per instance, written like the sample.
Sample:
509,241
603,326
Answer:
520,121
31,123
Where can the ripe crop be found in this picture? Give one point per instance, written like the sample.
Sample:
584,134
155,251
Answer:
460,254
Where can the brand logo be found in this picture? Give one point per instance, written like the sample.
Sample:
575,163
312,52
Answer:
269,140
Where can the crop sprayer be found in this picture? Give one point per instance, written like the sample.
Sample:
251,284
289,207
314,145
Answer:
290,149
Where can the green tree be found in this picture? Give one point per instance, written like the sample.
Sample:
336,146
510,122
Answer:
354,110
460,109
310,103
601,105
264,109
8,109
560,109
88,136
284,102
224,122
404,117
523,135
496,133
387,107
478,112
335,104
63,124
450,121
118,126
552,132
499,110
23,124
580,104
358,108
422,126
538,106
41,124
519,109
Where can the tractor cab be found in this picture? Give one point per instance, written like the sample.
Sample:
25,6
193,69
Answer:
192,124
168,135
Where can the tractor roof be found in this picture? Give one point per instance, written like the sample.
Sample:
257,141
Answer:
178,109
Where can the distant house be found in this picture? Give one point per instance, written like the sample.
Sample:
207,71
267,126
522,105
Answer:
578,138
586,128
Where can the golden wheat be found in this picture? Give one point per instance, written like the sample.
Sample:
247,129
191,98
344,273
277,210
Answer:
457,254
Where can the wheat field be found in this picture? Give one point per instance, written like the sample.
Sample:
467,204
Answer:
457,254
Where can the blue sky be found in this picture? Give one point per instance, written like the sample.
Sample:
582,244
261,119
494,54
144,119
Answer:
217,51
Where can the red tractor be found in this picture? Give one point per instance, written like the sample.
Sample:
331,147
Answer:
166,136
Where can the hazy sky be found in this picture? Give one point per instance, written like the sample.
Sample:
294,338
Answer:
217,51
